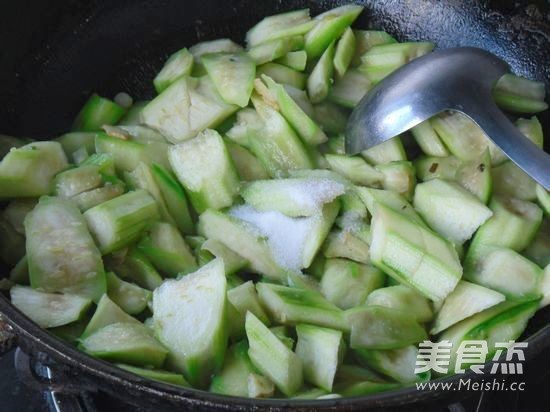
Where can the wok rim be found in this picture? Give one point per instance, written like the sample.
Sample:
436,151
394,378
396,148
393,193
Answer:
40,340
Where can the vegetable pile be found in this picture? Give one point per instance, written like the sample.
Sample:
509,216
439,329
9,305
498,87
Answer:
219,237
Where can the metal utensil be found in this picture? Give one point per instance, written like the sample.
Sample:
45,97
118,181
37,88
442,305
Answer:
459,79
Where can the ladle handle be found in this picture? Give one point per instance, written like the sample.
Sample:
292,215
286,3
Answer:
522,151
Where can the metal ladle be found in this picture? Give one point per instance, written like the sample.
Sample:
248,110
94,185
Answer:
459,79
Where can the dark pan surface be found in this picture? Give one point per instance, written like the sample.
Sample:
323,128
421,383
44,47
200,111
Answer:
54,53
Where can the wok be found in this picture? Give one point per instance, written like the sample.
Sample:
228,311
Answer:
54,53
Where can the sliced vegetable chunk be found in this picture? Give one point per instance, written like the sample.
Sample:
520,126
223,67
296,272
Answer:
49,310
196,349
61,253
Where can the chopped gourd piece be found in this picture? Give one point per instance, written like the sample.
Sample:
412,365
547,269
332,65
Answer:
413,254
450,210
212,187
308,130
189,319
428,140
232,75
245,299
167,250
537,251
259,386
291,306
156,375
122,220
402,298
506,271
398,176
500,323
349,89
279,26
473,175
277,145
355,169
243,239
187,107
106,313
28,171
49,310
211,46
293,241
275,49
248,167
283,75
510,181
232,379
520,95
174,197
543,197
293,197
320,79
272,358
343,54
295,60
128,153
513,225
96,112
365,40
177,65
381,60
321,351
389,151
466,300
344,244
398,364
328,27
464,138
61,253
379,327
131,298
129,343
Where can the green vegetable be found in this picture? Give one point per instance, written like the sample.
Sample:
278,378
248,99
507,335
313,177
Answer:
96,112
272,358
403,298
279,26
520,95
121,221
283,75
292,305
61,253
28,170
449,209
130,297
295,60
345,49
195,351
188,106
232,74
465,300
319,81
49,310
413,254
379,327
178,64
167,250
329,26
232,379
127,343
156,375
321,351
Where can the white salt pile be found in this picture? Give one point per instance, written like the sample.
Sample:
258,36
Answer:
286,236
